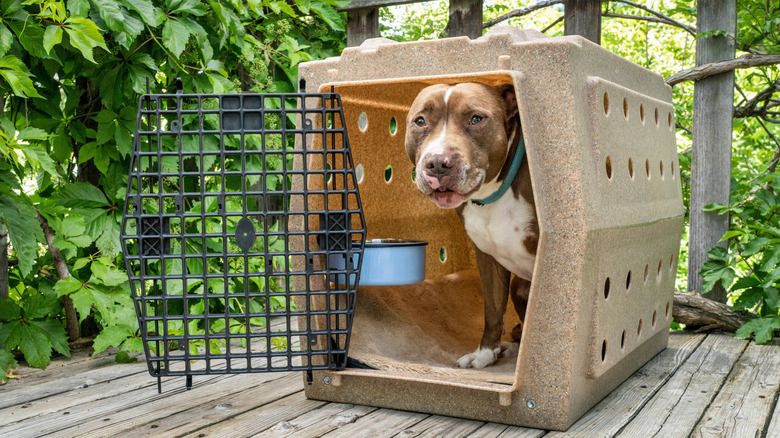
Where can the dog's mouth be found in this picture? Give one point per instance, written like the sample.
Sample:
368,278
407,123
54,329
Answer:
448,198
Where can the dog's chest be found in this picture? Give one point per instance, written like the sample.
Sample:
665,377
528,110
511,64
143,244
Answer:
500,229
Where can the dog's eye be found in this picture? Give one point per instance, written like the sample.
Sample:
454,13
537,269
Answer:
419,122
475,120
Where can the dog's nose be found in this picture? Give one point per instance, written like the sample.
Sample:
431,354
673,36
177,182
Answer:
439,165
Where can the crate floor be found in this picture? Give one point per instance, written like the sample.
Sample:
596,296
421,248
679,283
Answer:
702,385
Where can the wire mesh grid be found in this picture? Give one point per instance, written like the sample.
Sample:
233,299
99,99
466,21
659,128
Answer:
210,254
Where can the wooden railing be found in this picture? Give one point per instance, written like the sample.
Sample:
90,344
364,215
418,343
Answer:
581,17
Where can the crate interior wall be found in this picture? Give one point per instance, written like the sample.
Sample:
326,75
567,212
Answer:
600,141
206,240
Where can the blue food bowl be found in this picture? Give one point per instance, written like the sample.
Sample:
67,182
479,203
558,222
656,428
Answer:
386,262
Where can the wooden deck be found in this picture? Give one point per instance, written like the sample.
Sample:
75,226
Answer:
702,385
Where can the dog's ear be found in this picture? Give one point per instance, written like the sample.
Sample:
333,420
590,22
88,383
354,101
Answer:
507,93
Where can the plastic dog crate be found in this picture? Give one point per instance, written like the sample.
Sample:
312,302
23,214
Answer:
206,240
600,141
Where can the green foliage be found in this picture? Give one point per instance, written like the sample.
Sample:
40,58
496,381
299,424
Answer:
750,266
71,73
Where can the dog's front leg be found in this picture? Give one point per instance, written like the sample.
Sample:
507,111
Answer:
495,289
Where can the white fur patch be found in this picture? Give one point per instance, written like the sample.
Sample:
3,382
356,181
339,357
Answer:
499,229
481,358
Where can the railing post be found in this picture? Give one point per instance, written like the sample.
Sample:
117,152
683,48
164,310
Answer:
465,18
713,101
583,17
362,24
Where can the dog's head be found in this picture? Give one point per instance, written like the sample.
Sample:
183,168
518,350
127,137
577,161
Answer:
459,137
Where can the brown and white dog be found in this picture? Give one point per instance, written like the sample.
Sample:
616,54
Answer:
462,139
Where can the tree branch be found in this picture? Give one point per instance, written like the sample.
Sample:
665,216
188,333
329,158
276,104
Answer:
749,107
71,318
648,18
666,19
702,314
713,68
520,12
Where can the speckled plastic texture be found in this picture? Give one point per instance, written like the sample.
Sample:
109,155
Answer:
600,140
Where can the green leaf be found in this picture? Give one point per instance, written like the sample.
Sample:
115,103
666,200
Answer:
175,36
755,245
38,306
111,13
23,229
35,344
108,275
7,363
84,36
112,336
715,271
78,7
6,39
17,76
764,329
81,195
9,309
67,286
123,357
329,16
715,207
145,9
55,332
51,37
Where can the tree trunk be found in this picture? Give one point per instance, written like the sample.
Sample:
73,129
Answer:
3,261
71,318
713,101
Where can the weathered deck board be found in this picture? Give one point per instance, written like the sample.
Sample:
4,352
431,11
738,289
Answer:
319,421
701,386
740,408
619,407
675,409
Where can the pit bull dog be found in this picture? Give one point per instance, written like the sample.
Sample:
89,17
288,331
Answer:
466,143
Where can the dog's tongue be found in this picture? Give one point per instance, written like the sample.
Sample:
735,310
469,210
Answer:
447,198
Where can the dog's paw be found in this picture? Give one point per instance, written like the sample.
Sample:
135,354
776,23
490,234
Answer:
509,349
479,359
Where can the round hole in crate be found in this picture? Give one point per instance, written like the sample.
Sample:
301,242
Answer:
606,289
606,103
363,121
442,254
609,167
628,281
359,173
661,167
639,328
414,173
642,113
393,126
647,271
667,309
656,117
623,340
625,108
655,313
647,168
388,173
631,168
669,120
604,350
660,264
671,168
